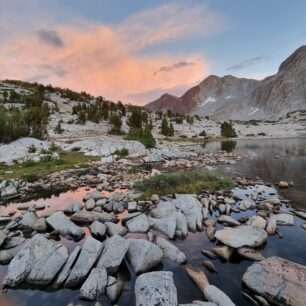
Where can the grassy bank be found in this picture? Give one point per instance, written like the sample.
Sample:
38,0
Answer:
183,182
32,171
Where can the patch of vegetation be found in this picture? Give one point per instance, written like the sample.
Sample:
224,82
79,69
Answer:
183,182
122,152
227,130
116,123
166,128
262,134
68,160
203,133
32,149
58,129
143,135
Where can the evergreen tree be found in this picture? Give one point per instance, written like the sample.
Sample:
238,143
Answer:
227,130
164,127
116,123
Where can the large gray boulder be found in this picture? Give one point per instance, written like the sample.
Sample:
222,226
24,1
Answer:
163,209
95,284
243,235
139,224
64,273
28,220
167,225
114,250
59,222
115,229
192,209
155,288
98,230
90,252
143,255
283,219
279,281
87,217
171,251
37,262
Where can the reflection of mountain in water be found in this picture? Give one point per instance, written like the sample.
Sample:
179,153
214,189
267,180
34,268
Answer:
272,160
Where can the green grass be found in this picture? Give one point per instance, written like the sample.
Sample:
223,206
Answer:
183,182
32,171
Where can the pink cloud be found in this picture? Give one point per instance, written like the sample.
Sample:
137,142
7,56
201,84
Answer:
105,60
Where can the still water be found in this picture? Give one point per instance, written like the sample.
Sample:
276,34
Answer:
272,161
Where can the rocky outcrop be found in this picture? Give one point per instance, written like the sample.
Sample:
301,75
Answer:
155,288
279,281
171,251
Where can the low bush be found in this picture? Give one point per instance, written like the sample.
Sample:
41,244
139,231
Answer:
143,135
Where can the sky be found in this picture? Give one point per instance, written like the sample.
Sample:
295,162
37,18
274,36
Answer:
136,50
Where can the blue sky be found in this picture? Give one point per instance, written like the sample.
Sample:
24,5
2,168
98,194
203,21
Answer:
136,50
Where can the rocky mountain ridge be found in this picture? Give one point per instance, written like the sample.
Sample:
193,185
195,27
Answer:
230,97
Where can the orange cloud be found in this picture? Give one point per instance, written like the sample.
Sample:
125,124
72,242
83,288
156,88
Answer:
107,60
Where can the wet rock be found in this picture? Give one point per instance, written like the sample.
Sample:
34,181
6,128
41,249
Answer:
191,208
95,284
115,229
208,254
279,281
113,289
5,257
250,253
163,209
59,222
155,288
171,251
283,184
114,250
283,219
242,235
90,252
64,273
300,214
224,252
228,220
143,255
90,204
98,230
139,224
86,217
210,266
257,221
211,293
166,225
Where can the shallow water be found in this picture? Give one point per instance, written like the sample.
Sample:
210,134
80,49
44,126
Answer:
261,161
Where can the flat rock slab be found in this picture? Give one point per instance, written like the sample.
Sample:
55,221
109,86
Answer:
240,236
59,222
114,250
283,219
279,281
156,288
37,262
86,217
139,224
90,252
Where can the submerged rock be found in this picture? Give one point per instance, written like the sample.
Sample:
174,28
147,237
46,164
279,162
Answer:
250,253
228,220
59,222
242,235
279,281
143,255
155,288
171,251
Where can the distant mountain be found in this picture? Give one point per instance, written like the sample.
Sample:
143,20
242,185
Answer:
229,97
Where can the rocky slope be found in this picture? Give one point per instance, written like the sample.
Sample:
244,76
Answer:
244,99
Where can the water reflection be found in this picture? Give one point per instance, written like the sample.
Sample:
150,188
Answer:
228,145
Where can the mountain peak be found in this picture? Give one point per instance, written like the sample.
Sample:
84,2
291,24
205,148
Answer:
297,58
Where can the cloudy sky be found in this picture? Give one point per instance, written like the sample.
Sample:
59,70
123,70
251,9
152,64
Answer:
135,50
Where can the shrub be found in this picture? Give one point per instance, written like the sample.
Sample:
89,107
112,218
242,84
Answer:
262,134
227,130
143,135
203,133
30,178
121,152
53,147
58,129
32,149
183,182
